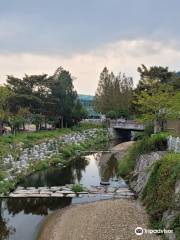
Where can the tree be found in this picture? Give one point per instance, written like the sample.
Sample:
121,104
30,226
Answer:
28,92
103,97
63,97
113,92
156,104
155,75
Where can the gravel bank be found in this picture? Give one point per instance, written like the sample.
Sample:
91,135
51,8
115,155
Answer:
104,220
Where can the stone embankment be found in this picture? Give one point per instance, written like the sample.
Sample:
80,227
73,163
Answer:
139,180
45,150
143,169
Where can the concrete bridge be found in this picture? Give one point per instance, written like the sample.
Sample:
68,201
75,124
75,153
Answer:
121,128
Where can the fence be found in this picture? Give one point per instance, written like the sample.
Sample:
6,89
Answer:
174,144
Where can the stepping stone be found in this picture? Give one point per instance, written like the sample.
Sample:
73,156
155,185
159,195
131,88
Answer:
31,188
45,192
57,195
65,189
55,188
20,191
122,190
71,195
125,194
82,192
66,192
19,188
111,189
18,195
40,195
43,188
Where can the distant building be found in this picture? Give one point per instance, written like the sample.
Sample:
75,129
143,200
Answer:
88,103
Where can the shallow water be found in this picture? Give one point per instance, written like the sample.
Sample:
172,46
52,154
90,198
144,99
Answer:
21,218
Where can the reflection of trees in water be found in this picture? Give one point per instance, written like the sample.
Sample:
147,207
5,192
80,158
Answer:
56,176
79,165
38,206
110,169
5,230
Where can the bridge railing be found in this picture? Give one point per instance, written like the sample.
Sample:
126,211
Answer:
126,124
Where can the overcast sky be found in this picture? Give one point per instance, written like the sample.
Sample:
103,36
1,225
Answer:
83,36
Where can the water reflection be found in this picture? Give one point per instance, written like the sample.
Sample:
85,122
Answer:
20,218
110,169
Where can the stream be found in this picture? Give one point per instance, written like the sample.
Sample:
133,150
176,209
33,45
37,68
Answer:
21,218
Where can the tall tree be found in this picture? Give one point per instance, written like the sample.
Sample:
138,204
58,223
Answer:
154,75
63,96
113,92
156,104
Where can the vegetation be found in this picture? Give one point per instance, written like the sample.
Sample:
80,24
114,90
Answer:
158,194
114,93
153,143
65,154
157,95
40,100
14,143
77,188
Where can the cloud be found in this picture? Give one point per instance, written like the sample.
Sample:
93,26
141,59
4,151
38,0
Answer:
123,55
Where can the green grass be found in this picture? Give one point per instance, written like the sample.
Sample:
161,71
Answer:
77,188
158,194
66,152
14,143
155,142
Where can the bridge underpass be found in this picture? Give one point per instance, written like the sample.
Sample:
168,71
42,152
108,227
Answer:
124,128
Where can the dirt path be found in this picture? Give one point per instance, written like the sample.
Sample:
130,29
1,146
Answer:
104,220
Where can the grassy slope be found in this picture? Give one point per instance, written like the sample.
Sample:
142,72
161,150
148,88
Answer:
13,144
154,143
158,194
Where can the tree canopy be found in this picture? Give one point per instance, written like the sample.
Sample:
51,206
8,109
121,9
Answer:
113,93
41,99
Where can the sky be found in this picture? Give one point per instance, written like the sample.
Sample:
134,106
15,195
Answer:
83,36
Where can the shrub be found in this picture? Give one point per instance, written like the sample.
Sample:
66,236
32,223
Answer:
156,142
41,165
77,188
123,113
158,193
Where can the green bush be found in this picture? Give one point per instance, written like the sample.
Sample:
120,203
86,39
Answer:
155,142
123,113
41,165
2,175
77,188
158,193
176,226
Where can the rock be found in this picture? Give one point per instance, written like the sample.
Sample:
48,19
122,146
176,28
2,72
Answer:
71,195
57,194
143,170
54,189
19,188
18,195
66,192
82,192
46,192
20,191
122,190
111,189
